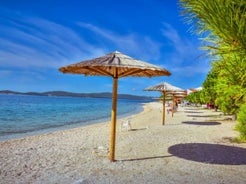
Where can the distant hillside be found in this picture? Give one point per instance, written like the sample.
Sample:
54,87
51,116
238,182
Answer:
90,95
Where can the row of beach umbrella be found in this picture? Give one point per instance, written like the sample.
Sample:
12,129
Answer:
167,89
118,65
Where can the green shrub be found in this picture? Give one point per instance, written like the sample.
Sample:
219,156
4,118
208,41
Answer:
241,125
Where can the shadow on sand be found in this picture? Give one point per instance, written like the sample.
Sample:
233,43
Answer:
203,116
136,129
193,112
201,123
210,153
145,158
192,109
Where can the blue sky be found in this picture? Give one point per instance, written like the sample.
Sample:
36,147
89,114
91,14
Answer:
38,37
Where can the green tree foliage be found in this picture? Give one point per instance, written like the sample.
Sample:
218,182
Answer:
241,126
222,23
209,86
222,26
195,97
229,88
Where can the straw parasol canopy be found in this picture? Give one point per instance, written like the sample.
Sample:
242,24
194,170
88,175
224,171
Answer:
115,65
165,88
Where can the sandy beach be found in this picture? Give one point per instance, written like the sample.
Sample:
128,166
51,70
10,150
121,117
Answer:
193,147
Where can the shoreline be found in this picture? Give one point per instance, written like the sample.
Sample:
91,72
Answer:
138,110
190,148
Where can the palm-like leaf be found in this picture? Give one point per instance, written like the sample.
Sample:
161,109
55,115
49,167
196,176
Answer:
223,21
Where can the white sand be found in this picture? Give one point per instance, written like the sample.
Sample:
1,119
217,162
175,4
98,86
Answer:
186,150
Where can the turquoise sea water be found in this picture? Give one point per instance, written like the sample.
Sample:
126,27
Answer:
23,115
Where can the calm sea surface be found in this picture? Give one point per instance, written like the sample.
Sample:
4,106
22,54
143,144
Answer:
24,115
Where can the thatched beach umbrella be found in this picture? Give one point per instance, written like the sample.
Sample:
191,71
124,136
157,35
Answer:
115,65
175,95
165,88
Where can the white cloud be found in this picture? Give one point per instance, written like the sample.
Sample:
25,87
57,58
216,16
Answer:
183,48
19,77
191,70
132,43
5,73
185,57
35,42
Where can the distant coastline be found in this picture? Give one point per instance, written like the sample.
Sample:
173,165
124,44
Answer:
71,94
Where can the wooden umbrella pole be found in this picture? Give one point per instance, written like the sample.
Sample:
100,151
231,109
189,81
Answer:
173,106
113,119
163,109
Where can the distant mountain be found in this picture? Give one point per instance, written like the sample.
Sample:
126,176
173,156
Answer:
89,95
